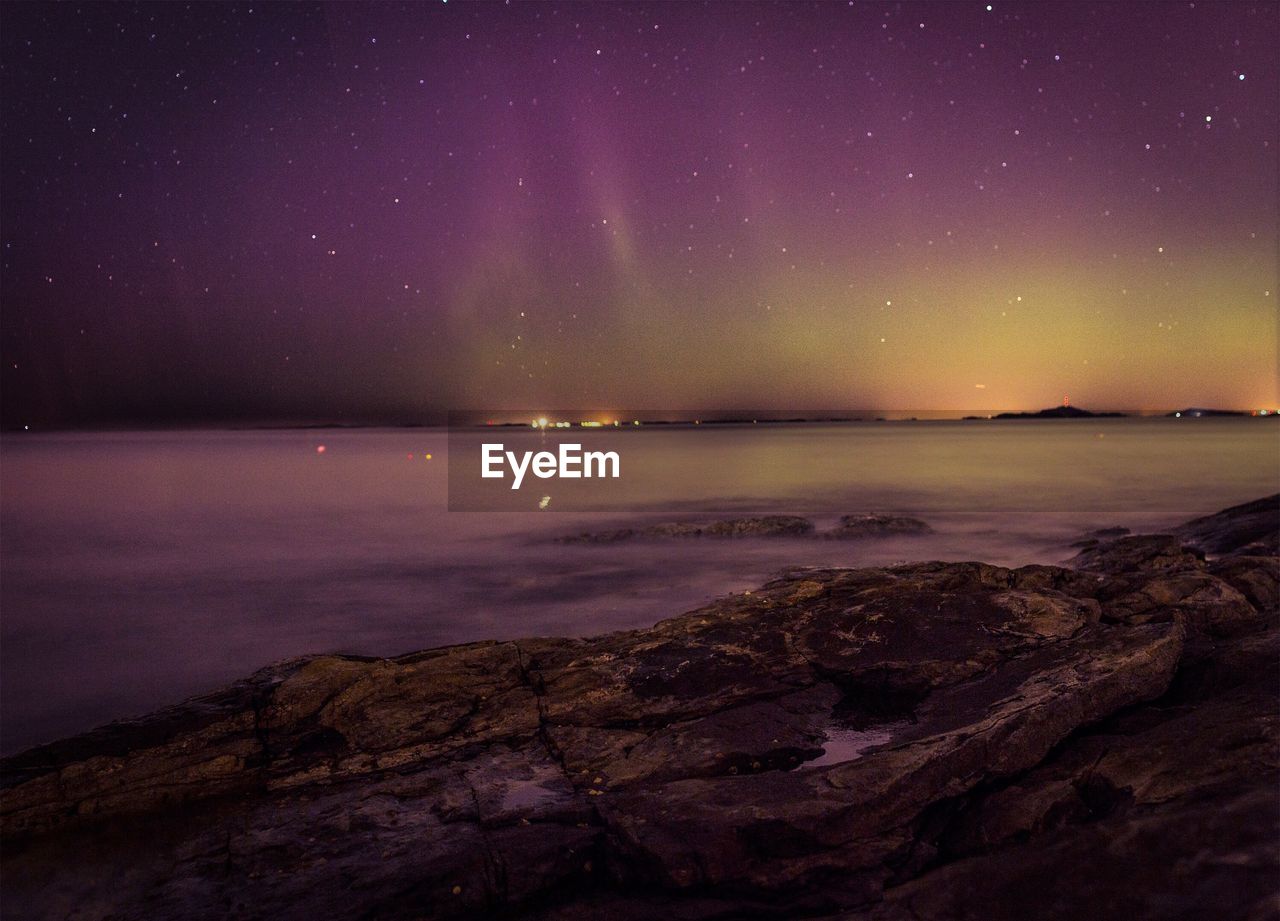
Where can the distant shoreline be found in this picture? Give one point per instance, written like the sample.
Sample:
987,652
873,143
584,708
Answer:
575,419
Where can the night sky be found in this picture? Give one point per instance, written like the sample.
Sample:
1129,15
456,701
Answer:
270,212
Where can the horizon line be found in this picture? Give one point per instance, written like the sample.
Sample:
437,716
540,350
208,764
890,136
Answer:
507,418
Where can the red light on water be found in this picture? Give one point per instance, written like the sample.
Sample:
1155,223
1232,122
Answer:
319,449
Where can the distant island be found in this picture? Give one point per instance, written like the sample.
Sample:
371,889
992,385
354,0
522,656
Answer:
1054,412
1059,412
1196,412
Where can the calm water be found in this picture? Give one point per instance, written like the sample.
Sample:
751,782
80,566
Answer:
138,569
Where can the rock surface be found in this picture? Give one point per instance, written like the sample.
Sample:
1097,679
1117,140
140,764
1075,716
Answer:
941,740
764,526
1250,527
1093,538
859,527
850,527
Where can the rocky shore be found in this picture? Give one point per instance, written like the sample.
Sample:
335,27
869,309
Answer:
931,741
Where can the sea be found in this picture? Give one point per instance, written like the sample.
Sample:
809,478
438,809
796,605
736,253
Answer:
140,568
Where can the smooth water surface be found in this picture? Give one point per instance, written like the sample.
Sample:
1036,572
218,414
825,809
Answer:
140,568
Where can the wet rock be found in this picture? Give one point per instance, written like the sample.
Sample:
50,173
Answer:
1255,577
861,527
1253,527
767,526
851,527
1161,811
1109,533
1093,538
1143,552
1199,600
1211,858
942,740
787,831
764,526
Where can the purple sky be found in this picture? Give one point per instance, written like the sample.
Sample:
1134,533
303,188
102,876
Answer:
354,212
